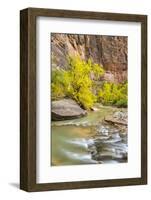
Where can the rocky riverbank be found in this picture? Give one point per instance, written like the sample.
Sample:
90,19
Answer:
110,139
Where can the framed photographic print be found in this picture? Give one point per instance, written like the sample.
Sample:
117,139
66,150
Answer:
83,99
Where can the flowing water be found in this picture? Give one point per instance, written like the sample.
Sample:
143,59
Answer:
87,140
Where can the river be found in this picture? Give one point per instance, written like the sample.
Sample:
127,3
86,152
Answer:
88,140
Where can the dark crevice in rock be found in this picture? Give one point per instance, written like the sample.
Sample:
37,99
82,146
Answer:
109,51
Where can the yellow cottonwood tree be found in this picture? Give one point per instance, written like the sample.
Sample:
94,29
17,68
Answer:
77,82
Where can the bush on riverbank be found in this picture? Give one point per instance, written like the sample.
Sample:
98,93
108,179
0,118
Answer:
57,84
113,94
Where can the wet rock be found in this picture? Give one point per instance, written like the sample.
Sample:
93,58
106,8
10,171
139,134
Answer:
106,130
66,109
120,115
102,130
94,109
108,155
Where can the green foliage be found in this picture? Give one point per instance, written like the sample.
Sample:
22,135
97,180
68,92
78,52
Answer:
113,94
57,84
77,82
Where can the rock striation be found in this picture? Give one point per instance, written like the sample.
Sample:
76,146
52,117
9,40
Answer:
109,51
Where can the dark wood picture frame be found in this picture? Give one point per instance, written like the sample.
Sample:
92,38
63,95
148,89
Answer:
28,98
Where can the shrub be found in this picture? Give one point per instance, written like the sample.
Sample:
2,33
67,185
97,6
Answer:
113,94
57,84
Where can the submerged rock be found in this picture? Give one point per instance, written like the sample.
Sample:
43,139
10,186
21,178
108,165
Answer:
102,130
66,109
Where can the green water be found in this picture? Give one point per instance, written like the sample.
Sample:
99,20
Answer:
70,139
93,117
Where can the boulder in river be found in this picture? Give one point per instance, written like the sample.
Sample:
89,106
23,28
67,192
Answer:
66,109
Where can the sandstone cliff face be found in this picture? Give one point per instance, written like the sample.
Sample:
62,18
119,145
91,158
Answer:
109,51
